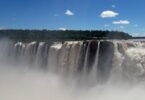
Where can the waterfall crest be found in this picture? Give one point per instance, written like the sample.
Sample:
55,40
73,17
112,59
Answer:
93,60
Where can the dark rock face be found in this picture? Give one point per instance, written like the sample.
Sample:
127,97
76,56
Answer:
106,54
82,55
105,59
120,48
93,47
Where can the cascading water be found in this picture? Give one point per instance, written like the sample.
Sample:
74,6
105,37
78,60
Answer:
72,70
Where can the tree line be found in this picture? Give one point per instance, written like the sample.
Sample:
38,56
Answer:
62,35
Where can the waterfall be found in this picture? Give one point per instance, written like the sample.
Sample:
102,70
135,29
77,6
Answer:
72,70
96,60
95,65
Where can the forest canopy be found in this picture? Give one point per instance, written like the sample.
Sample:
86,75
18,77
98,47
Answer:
62,35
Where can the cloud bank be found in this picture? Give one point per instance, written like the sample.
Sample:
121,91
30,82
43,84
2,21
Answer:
122,22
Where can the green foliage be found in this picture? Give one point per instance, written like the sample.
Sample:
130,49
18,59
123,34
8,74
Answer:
44,35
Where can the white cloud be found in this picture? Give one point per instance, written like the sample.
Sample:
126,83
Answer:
62,29
113,6
108,14
123,22
69,12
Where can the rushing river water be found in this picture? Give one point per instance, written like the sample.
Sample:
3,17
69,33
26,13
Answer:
72,70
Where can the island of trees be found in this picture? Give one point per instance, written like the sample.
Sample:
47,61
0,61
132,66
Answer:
44,35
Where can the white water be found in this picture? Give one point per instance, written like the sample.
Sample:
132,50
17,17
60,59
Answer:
24,81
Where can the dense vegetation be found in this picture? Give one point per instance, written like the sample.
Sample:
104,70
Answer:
45,35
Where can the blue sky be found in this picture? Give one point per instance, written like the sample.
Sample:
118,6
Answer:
124,15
